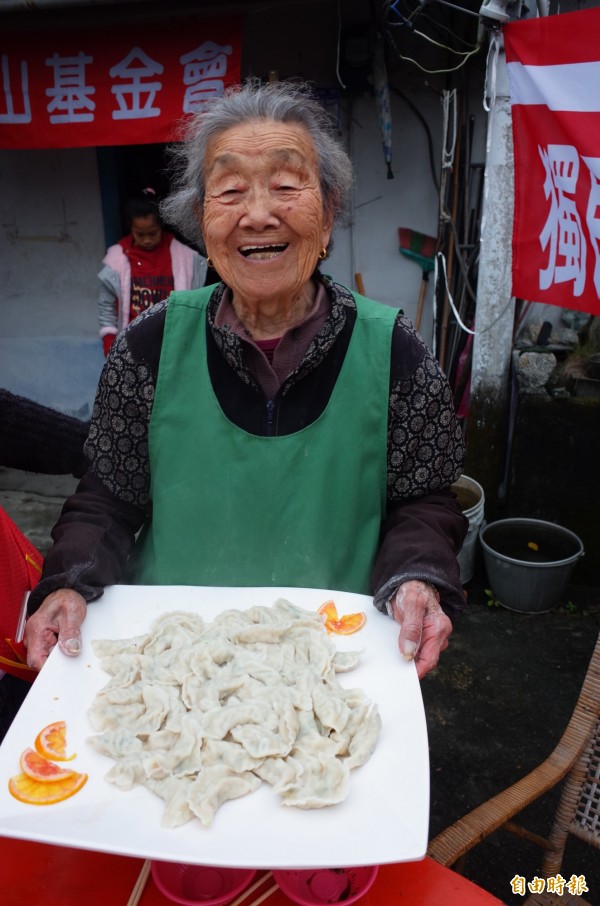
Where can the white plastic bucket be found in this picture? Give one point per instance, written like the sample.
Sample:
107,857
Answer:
471,500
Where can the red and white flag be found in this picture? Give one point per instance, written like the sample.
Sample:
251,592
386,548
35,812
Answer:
554,74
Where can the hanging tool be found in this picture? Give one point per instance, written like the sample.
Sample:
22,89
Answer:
359,283
382,95
420,248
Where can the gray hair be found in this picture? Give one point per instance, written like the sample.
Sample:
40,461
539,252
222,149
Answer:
283,102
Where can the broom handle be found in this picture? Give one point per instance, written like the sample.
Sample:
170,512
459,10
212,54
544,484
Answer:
421,300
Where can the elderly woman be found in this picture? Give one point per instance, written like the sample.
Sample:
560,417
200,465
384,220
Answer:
275,428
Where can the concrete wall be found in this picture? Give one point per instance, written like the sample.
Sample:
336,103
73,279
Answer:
51,245
381,205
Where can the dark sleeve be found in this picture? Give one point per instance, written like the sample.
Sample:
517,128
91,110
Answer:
424,526
420,540
95,533
92,541
36,438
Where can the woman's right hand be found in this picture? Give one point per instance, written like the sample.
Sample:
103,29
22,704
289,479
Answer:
57,620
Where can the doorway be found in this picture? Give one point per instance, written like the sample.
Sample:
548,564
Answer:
124,170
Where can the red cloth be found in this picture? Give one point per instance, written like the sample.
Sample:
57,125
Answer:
107,340
61,875
554,73
151,273
268,347
114,85
20,570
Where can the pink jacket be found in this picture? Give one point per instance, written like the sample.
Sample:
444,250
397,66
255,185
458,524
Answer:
189,272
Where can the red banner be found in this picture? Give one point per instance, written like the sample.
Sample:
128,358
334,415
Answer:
112,86
554,74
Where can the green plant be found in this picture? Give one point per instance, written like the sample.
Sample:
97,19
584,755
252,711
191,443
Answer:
491,601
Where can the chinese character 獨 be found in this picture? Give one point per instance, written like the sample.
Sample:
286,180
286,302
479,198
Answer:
593,214
70,93
562,234
11,116
203,72
135,67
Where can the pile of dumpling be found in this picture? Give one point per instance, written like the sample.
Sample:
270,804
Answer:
204,712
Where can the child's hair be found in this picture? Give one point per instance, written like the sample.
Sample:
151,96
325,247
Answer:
143,205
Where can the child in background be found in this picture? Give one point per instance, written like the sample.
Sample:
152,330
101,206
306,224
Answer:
143,268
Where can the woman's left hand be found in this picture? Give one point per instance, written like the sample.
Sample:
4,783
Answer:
424,627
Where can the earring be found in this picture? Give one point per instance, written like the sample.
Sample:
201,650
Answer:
323,254
209,262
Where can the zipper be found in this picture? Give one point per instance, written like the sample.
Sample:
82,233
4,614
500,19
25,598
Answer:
270,411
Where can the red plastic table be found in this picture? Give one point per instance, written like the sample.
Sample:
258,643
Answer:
37,874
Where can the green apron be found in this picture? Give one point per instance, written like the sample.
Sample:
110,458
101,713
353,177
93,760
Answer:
232,508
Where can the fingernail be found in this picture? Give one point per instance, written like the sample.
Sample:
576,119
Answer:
409,649
73,646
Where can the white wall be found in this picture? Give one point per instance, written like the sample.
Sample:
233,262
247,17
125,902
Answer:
51,243
51,246
382,205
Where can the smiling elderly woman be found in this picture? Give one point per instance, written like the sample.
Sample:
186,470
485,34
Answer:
275,428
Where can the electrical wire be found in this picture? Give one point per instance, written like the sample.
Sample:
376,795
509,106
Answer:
408,21
449,103
441,257
437,71
339,41
439,26
459,53
455,312
424,123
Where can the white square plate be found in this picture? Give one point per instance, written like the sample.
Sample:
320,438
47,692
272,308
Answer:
384,818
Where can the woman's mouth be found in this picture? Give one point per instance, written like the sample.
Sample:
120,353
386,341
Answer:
263,252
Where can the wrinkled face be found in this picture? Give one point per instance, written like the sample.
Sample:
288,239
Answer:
263,219
146,232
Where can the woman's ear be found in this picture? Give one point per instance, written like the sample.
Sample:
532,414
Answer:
327,229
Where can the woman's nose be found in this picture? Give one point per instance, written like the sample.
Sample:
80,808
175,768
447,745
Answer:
259,210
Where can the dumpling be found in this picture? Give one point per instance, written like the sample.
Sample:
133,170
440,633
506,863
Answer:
215,785
324,781
174,791
330,707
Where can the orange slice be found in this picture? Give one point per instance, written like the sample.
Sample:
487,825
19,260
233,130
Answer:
36,792
348,624
344,625
328,610
51,742
39,768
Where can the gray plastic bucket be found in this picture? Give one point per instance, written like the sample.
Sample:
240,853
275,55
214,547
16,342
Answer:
471,500
529,562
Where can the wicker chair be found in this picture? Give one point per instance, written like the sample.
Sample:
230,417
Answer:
576,758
